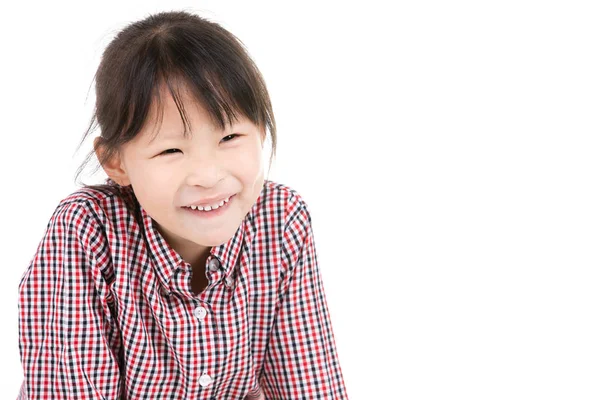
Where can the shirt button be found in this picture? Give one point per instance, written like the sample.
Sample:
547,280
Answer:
213,264
205,380
229,281
200,312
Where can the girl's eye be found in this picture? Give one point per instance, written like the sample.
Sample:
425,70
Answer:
233,135
168,151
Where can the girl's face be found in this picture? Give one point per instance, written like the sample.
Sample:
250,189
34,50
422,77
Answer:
172,171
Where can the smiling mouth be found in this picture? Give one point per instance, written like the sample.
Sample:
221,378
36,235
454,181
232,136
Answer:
213,212
210,208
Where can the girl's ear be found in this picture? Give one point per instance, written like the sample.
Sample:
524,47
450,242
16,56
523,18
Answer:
113,166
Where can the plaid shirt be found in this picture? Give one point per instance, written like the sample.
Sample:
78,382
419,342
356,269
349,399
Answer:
106,309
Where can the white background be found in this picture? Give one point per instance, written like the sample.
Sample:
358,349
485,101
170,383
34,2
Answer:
448,153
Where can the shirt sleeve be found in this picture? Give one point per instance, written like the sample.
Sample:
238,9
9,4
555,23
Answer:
67,342
301,360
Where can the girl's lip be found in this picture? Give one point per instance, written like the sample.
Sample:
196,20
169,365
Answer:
211,202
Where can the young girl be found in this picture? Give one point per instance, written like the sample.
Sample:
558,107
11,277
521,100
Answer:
187,275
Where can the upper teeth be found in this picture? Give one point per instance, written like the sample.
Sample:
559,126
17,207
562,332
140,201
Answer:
208,208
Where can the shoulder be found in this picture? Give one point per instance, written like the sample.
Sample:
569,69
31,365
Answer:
100,199
89,210
286,199
294,217
85,221
286,202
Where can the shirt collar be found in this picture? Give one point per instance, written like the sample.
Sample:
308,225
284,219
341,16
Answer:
167,260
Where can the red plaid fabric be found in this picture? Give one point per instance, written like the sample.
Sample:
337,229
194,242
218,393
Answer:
106,309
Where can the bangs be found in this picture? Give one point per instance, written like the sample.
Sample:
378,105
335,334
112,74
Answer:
220,105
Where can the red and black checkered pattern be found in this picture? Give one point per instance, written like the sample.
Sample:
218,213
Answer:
106,309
